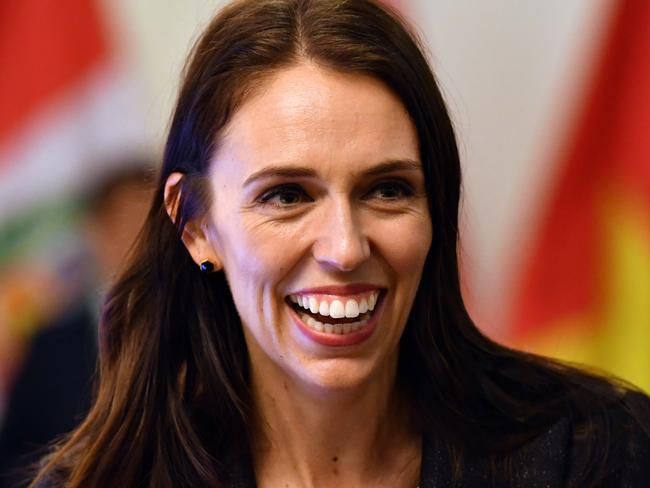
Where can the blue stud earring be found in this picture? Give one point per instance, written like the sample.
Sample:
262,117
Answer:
206,266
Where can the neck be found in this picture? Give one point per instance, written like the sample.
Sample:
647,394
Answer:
360,436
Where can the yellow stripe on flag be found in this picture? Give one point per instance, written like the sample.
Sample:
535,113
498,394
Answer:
616,337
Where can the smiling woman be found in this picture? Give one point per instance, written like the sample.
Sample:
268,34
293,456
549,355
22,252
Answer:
321,169
292,315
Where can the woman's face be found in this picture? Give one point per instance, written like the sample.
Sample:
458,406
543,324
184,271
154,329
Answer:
321,223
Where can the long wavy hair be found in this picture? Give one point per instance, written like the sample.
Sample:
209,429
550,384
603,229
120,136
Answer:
172,406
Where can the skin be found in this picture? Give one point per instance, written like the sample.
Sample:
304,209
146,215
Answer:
328,416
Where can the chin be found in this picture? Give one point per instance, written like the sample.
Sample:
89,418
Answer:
338,376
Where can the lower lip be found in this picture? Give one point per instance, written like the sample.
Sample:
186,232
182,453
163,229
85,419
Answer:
339,340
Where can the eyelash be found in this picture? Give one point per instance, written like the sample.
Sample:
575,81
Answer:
403,187
405,190
279,190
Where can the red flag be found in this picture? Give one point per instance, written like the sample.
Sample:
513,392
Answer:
584,292
67,109
45,48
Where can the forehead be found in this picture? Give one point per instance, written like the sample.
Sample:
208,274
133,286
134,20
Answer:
309,115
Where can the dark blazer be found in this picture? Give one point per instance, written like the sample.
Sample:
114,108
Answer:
551,460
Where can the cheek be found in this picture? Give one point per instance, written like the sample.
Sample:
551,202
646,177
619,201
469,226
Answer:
256,258
263,253
406,255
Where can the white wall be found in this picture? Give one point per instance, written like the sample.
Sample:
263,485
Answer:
511,71
155,36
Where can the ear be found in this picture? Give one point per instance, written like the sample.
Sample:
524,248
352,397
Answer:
195,234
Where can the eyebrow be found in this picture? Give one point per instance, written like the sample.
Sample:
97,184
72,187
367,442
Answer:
389,166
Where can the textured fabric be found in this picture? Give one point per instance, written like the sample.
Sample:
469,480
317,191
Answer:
557,457
542,463
552,460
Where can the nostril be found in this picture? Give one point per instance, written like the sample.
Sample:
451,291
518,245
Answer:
344,257
342,244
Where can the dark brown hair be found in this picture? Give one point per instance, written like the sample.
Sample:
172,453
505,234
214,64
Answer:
173,406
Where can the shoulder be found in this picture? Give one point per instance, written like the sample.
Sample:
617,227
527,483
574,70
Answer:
613,445
608,445
596,430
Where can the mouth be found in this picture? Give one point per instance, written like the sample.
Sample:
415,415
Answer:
336,315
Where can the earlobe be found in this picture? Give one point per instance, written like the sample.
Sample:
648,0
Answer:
195,234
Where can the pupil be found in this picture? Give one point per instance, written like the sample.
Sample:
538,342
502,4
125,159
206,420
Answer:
390,192
288,198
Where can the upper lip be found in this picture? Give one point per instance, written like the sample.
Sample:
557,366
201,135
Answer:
350,289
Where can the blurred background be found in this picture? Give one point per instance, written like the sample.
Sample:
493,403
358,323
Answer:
551,101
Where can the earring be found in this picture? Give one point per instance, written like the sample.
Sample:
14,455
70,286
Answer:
206,266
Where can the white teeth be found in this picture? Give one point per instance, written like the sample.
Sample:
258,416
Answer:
339,329
324,309
312,322
351,309
337,311
372,301
363,306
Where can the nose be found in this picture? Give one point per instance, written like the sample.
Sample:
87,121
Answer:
341,243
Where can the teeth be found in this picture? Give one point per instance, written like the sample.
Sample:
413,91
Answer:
372,301
324,309
339,308
337,311
351,309
312,322
315,324
340,329
363,306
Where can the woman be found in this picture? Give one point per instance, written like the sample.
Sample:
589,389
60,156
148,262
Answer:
292,314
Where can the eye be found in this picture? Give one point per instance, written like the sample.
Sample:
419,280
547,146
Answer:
284,196
391,190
